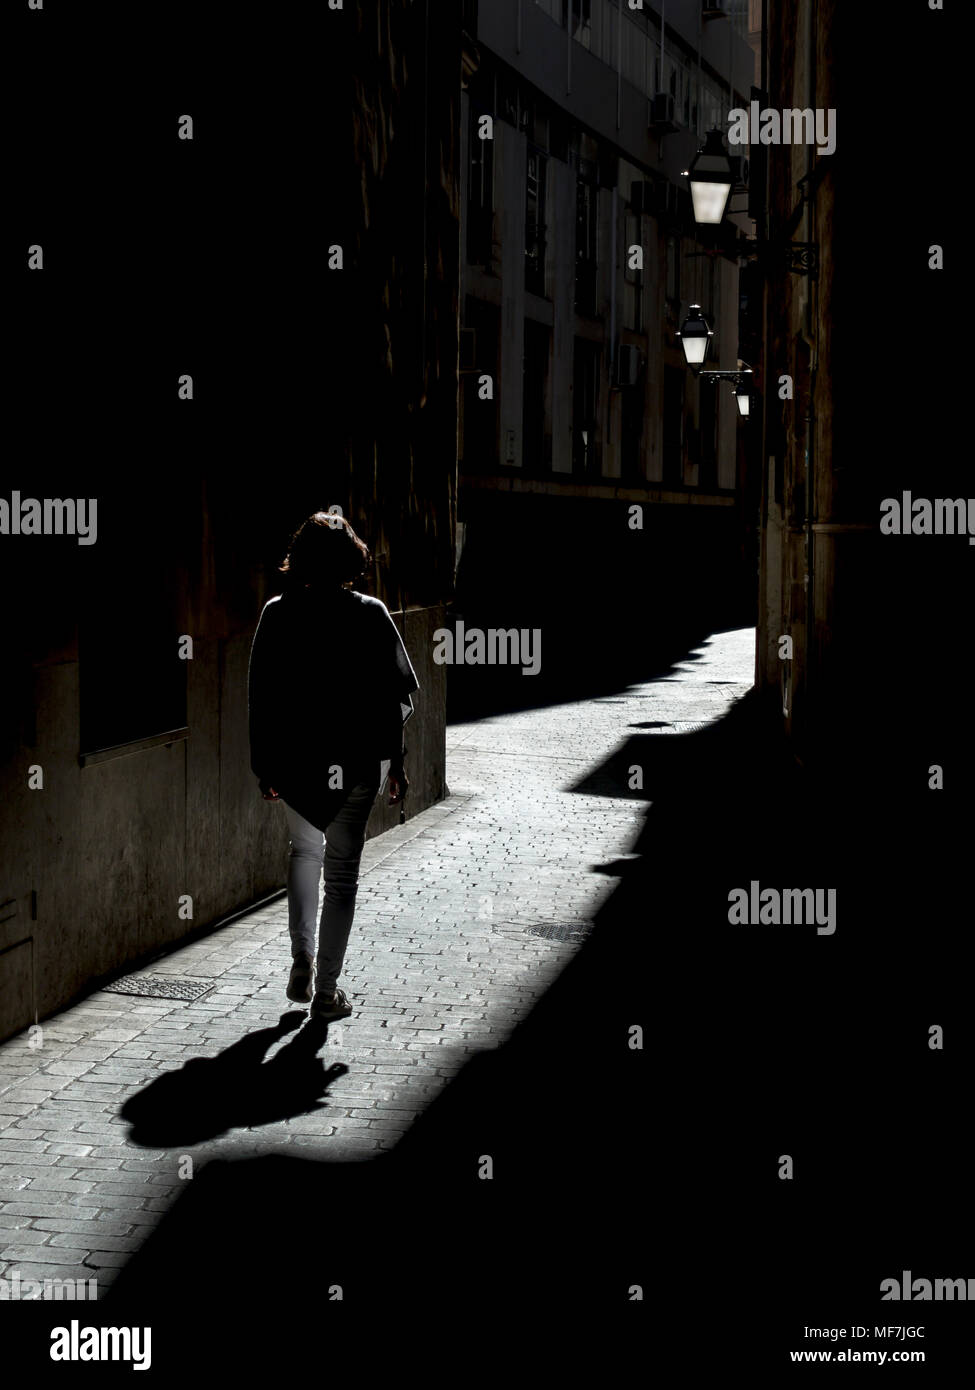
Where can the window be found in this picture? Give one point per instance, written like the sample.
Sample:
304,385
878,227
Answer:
587,225
536,443
554,9
708,457
480,191
479,417
558,136
632,279
535,223
673,270
585,400
132,680
538,126
581,20
633,411
713,105
635,53
673,426
508,98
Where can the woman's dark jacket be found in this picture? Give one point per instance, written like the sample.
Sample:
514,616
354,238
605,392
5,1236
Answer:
329,688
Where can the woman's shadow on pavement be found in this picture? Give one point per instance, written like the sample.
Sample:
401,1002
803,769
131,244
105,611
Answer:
236,1089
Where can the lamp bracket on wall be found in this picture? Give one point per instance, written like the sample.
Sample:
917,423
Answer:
801,257
739,378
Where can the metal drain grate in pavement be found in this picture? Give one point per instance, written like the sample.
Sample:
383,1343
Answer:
161,986
569,932
562,931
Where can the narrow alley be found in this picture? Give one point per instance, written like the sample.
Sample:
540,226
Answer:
466,915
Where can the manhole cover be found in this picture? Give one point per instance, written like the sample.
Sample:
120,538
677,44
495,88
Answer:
161,986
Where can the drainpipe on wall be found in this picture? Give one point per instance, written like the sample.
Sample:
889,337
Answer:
761,650
426,193
813,336
568,48
700,73
619,63
425,374
612,293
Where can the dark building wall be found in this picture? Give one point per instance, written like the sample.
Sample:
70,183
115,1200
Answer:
874,618
804,533
312,388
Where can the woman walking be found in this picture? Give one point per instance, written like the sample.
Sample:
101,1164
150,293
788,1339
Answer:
329,692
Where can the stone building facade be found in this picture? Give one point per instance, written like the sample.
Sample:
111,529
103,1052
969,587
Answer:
580,260
858,629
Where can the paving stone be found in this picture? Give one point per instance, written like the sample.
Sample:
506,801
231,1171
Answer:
53,1182
94,1227
93,1240
19,1146
37,1208
12,1221
59,1269
29,1236
21,1254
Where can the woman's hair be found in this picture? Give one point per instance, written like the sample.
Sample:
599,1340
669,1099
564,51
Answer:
325,550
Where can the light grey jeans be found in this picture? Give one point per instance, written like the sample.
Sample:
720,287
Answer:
338,851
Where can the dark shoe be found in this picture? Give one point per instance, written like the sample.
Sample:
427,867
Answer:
331,1006
299,984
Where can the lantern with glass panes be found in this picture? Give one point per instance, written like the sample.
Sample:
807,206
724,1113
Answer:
695,336
711,179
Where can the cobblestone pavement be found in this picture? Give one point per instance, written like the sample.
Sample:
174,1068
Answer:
465,915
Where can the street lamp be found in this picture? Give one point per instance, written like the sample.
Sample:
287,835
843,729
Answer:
695,335
711,180
741,381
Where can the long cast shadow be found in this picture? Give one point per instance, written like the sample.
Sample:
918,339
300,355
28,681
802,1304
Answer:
628,1134
237,1089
